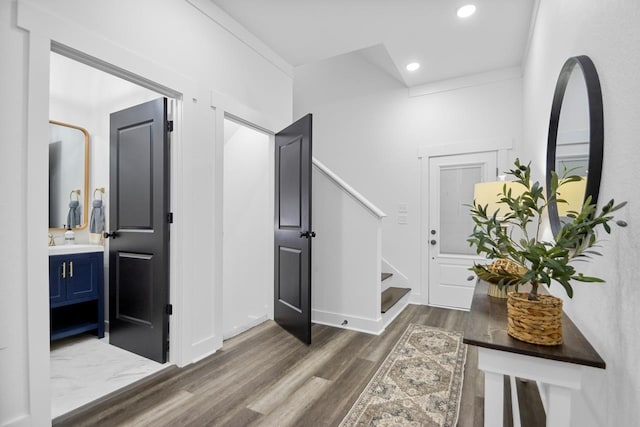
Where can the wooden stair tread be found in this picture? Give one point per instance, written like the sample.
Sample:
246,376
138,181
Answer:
385,276
391,296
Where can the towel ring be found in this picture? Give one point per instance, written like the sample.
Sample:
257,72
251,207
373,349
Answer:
99,189
77,193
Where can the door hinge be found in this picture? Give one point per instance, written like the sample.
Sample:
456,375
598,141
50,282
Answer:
169,309
169,125
170,217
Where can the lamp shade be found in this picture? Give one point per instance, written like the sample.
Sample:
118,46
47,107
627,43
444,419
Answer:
490,193
573,192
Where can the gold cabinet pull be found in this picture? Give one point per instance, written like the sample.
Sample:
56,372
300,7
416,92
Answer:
71,269
64,270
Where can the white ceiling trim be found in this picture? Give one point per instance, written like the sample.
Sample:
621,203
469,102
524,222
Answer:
511,73
225,21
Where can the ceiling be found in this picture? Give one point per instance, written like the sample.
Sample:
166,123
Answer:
392,33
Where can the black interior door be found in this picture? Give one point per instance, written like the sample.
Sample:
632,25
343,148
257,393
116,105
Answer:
139,237
292,286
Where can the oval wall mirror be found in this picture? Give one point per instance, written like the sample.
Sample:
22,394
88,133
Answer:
576,137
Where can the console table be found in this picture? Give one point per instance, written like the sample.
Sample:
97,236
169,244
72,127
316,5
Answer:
556,369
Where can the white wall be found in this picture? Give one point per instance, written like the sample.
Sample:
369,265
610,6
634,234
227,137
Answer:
168,42
247,278
369,131
607,314
345,258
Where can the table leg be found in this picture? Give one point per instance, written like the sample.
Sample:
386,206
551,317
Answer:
515,403
493,399
559,406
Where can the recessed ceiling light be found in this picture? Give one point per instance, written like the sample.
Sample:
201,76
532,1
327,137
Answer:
413,66
466,11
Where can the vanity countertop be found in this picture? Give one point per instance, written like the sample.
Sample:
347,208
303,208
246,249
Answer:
74,249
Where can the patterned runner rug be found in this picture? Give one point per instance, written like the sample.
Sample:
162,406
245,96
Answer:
418,384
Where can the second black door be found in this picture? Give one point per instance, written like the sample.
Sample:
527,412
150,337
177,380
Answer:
292,287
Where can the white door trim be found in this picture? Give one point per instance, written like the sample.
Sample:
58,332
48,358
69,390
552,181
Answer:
258,126
228,107
503,147
46,30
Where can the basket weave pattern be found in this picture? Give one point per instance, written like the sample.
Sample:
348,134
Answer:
535,322
507,265
496,292
493,276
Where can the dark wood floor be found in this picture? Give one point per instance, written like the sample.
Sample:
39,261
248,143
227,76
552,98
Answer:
267,377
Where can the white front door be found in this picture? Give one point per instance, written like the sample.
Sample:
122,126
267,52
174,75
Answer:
451,182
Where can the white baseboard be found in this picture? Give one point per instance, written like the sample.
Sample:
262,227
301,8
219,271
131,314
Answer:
205,347
416,299
354,323
21,421
361,324
236,330
448,307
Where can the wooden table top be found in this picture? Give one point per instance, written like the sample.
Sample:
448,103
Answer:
487,327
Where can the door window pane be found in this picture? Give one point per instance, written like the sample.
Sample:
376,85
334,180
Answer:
456,194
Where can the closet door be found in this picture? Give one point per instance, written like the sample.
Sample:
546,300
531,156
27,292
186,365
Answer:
292,286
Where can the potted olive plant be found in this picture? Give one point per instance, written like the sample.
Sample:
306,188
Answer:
515,237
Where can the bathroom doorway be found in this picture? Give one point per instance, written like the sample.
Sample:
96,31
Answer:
84,368
247,227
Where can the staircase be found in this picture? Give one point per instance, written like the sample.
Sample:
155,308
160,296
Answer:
391,295
347,272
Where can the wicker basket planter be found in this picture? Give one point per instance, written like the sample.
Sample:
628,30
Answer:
496,292
493,276
535,322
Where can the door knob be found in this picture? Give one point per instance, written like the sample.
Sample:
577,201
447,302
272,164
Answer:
308,234
113,235
433,242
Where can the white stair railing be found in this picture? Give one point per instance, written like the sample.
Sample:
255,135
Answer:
347,254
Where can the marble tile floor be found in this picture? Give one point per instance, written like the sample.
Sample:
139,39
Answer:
84,368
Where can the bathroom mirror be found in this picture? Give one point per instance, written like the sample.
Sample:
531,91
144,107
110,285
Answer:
68,175
576,136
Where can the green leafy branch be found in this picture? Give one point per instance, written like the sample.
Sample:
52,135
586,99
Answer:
544,262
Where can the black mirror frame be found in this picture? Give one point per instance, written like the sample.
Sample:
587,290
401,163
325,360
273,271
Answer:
596,130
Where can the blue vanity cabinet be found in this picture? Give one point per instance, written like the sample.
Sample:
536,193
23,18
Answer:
84,273
76,294
56,279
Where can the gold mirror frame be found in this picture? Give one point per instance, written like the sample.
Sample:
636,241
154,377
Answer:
85,189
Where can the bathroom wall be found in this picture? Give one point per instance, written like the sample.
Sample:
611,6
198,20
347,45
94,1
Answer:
607,313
